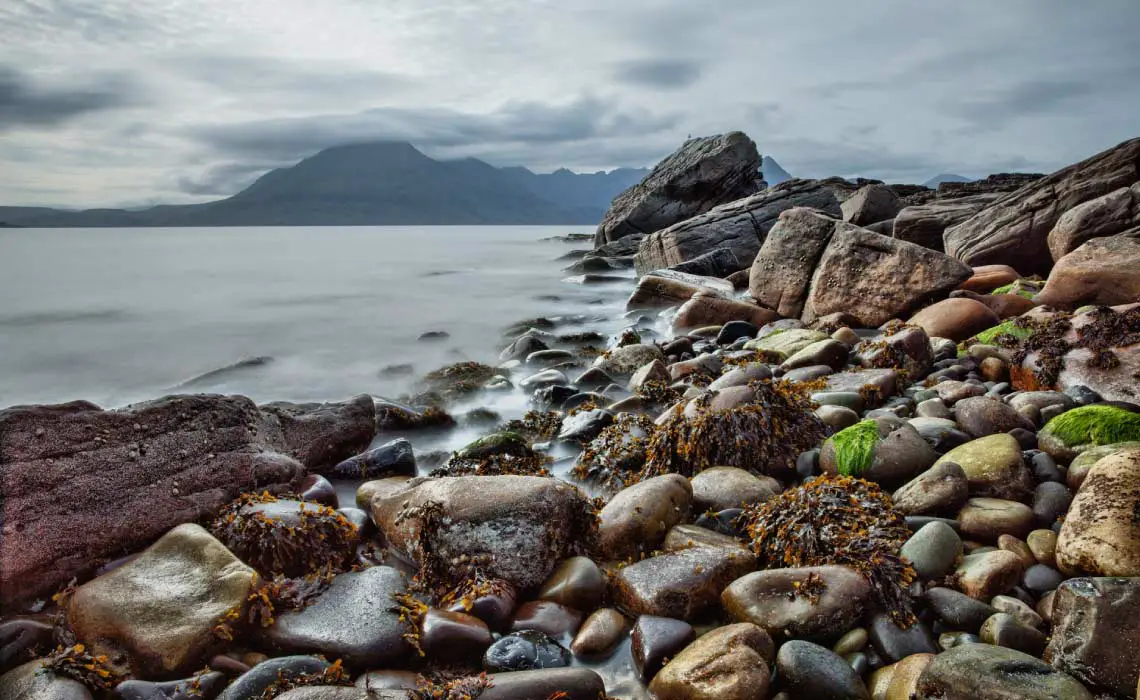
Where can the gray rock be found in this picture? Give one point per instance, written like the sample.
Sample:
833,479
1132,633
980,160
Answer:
395,458
933,550
941,489
975,671
980,416
810,671
958,610
33,682
1004,630
718,262
683,584
769,599
871,204
894,643
701,174
254,682
924,224
1096,630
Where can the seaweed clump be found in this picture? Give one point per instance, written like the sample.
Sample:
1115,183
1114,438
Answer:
334,675
616,458
837,520
284,537
855,447
1095,425
505,452
536,425
467,688
1103,329
763,436
76,662
457,381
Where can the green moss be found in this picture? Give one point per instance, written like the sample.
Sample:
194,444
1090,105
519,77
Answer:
991,336
1095,425
1023,288
855,447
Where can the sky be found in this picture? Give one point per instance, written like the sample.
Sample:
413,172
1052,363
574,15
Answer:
137,102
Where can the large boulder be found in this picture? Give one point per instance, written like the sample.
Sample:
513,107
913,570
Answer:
1103,271
1100,535
740,226
1096,628
709,308
1015,229
523,526
870,205
973,671
321,435
956,319
924,224
1109,215
781,274
701,174
130,475
160,610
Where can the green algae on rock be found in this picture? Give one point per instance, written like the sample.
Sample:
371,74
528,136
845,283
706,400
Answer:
855,447
1004,334
1080,429
837,520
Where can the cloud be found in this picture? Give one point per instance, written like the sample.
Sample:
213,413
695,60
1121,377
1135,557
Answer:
28,102
221,180
994,109
658,74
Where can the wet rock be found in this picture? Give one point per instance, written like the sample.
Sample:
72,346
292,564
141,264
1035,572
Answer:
32,681
1015,230
729,663
525,345
549,358
161,608
690,536
599,634
552,619
710,308
585,426
1050,502
984,575
655,371
545,378
1043,545
624,361
287,537
875,385
450,635
958,610
682,584
894,643
317,489
1100,535
976,671
953,391
735,330
525,651
23,640
811,671
785,343
705,364
352,620
993,466
729,487
522,525
258,679
1017,609
593,378
904,678
771,599
656,292
955,318
1004,631
701,174
318,435
981,416
638,517
393,458
909,350
494,607
333,692
1096,623
577,583
1009,543
837,418
933,550
576,683
987,278
655,640
940,433
128,476
986,519
943,488
201,687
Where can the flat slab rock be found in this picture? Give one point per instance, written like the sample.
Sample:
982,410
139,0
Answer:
130,475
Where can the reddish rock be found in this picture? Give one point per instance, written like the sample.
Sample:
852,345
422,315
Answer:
1108,215
708,308
987,278
1103,271
956,319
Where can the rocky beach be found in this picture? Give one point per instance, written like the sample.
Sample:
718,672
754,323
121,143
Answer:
851,440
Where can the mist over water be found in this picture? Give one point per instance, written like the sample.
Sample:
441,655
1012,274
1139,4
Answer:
116,316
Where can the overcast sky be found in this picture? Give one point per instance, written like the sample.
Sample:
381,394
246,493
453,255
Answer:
126,102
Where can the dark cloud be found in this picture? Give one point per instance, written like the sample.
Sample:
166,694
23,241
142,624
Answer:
287,78
26,102
221,180
996,108
658,74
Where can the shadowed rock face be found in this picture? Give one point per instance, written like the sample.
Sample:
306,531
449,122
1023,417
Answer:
128,476
701,174
1015,229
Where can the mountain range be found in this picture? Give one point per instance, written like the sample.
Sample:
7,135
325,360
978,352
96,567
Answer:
937,180
388,183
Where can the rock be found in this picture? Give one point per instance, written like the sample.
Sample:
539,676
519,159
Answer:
318,435
904,677
525,525
32,681
599,634
874,385
655,640
23,640
655,292
708,308
576,683
577,583
771,600
956,319
781,273
254,682
871,204
333,692
993,466
205,686
700,175
450,635
1014,230
986,519
682,584
522,347
352,620
1102,271
525,651
933,550
655,371
1009,543
160,609
785,343
1019,610
1043,545
719,262
941,489
940,433
1096,623
1004,631
552,619
1050,502
1100,535
624,361
493,607
811,671
393,458
735,330
909,350
876,278
973,671
825,352
987,278
707,364
287,537
584,426
541,380
982,576
980,416
689,536
924,224
1104,216
878,451
728,487
128,476
637,518
837,418
729,663
958,610
893,643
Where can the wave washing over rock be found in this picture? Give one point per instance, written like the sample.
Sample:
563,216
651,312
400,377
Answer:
837,447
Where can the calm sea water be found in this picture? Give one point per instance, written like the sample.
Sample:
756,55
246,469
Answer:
116,316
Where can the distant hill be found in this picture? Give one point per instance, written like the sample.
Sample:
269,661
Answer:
937,180
388,183
773,173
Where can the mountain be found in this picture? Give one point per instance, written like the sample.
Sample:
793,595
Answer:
386,183
937,180
773,173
